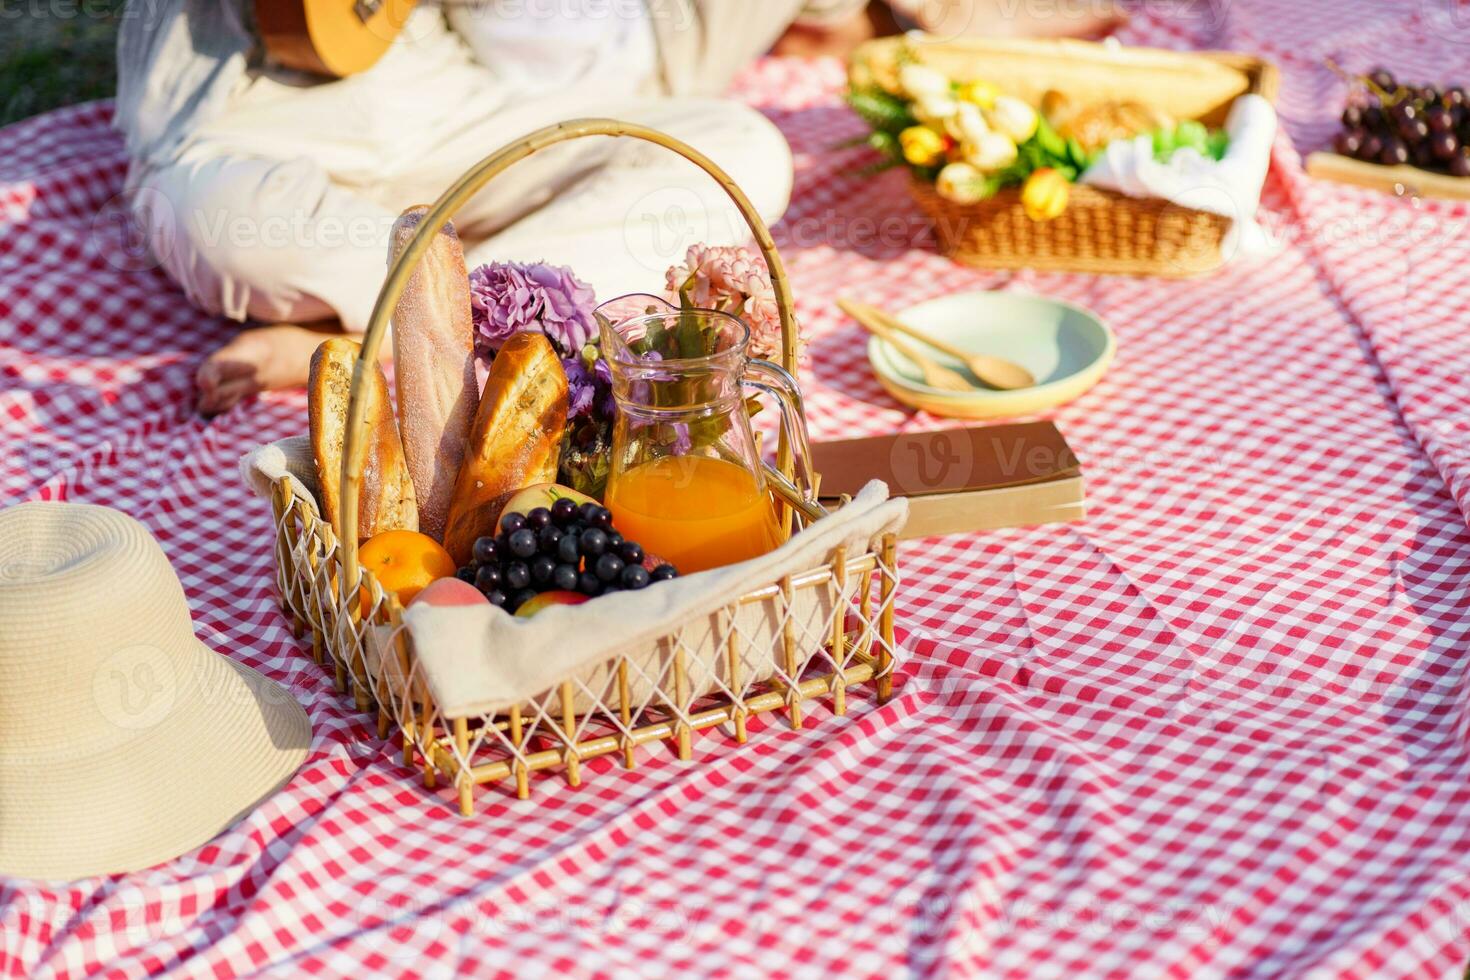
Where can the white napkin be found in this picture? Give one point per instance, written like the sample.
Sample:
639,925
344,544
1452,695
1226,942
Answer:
263,467
1230,187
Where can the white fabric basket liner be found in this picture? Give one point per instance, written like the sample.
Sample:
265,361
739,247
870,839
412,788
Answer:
479,660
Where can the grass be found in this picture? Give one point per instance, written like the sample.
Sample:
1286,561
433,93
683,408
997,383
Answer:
54,53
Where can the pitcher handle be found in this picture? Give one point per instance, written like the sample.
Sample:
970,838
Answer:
777,382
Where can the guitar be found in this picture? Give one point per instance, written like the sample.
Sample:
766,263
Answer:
330,37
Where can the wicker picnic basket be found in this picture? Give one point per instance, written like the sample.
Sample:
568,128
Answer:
1101,231
810,635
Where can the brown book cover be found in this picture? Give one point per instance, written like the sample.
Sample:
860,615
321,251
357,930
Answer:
969,479
947,460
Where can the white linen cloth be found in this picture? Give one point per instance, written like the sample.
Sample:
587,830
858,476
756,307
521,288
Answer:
182,63
479,659
539,46
1230,187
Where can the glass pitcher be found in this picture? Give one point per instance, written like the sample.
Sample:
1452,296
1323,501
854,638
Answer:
685,478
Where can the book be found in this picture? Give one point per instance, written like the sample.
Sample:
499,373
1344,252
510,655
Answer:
977,478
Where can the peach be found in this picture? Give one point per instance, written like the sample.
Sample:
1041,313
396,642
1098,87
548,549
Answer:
556,597
450,592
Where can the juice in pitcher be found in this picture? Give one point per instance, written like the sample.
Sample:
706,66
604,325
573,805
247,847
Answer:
697,512
686,479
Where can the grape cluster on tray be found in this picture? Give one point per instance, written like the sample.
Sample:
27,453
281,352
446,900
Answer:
564,548
1389,122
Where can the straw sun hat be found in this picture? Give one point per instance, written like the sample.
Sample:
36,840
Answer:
124,740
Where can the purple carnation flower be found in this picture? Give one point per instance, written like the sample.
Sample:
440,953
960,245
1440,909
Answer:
607,406
683,443
582,387
508,297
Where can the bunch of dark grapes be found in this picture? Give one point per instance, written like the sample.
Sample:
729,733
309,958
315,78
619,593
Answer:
1390,122
565,548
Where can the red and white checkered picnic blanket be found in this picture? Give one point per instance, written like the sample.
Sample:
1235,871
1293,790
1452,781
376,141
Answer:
1219,728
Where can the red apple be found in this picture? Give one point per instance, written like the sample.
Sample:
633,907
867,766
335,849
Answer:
556,597
449,592
652,561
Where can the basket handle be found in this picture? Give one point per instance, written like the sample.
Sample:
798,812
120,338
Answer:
355,446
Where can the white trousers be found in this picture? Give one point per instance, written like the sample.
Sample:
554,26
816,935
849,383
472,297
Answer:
279,210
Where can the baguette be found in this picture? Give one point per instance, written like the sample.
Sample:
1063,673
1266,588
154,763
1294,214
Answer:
516,439
434,360
386,497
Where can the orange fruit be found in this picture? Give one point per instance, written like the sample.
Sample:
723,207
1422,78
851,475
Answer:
403,562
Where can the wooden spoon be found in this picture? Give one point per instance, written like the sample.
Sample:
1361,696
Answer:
936,375
997,372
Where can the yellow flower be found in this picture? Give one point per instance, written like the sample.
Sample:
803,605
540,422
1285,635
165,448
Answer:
960,183
967,123
922,146
1045,194
992,151
922,82
982,94
1014,118
934,113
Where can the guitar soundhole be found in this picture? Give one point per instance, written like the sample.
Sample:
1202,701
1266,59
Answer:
366,8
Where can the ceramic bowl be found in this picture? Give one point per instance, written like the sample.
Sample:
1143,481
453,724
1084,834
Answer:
1066,348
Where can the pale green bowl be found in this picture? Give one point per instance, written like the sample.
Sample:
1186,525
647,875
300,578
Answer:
1066,348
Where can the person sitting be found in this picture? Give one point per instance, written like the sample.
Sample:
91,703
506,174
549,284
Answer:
268,194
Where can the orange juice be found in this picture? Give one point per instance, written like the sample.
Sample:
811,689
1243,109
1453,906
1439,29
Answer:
694,511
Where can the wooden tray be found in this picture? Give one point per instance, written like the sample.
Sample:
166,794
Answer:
1404,181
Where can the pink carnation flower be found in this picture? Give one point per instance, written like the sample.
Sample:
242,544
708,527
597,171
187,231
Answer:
733,279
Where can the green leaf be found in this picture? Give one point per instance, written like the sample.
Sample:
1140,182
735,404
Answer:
852,142
1049,140
586,458
927,174
708,431
885,113
1218,144
654,339
886,144
880,166
1079,157
1164,144
689,336
1193,135
1191,132
1014,174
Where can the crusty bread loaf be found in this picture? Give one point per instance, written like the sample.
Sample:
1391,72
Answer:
516,439
1096,124
386,498
434,365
